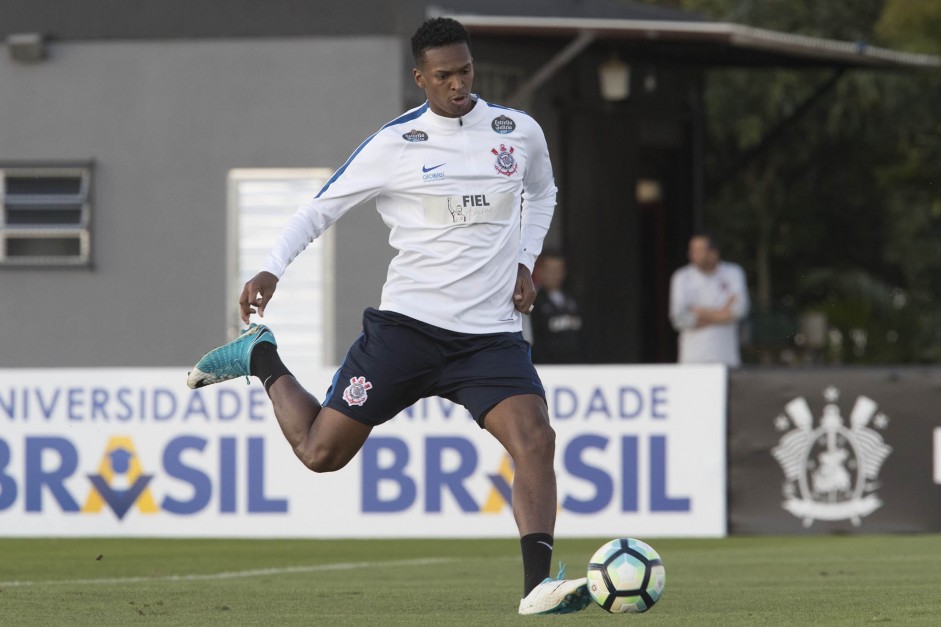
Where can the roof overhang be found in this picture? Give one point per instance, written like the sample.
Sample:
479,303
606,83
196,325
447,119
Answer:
702,43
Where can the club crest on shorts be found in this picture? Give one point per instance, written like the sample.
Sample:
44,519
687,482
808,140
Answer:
355,392
506,163
831,470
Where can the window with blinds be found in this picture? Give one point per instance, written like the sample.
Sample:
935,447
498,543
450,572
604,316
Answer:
261,201
46,215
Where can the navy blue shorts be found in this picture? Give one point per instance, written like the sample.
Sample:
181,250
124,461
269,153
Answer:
398,360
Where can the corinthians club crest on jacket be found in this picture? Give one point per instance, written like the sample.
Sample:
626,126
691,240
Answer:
506,162
831,469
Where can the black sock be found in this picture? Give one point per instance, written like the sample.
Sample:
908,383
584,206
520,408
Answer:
537,559
266,364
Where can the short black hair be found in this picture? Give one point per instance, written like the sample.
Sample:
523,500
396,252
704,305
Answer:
435,33
712,240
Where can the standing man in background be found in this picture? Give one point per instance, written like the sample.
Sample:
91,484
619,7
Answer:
708,298
467,190
556,322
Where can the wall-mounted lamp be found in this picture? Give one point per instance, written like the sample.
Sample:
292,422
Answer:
26,47
614,77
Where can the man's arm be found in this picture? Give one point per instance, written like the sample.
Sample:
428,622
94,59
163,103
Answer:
742,304
358,180
705,316
256,294
524,294
682,316
539,193
735,308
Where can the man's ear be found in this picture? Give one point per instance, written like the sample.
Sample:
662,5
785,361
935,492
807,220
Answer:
419,79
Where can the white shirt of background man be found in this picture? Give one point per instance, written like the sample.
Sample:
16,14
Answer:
692,288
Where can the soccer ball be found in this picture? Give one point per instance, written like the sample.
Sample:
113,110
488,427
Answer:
626,575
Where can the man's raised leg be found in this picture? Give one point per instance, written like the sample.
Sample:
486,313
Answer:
322,438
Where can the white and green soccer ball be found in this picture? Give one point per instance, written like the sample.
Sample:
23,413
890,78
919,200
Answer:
626,575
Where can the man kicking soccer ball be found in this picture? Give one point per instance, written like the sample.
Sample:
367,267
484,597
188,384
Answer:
450,316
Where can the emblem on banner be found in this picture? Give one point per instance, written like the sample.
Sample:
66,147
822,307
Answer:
120,482
831,470
355,392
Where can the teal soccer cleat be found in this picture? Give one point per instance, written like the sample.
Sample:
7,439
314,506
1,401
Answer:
231,360
557,596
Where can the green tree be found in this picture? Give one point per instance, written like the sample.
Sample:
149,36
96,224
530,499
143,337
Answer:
824,183
914,207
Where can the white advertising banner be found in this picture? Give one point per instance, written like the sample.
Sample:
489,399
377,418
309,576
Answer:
640,451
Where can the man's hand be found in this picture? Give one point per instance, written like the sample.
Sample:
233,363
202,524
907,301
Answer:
256,294
525,292
706,317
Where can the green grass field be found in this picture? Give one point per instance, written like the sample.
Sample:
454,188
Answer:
828,580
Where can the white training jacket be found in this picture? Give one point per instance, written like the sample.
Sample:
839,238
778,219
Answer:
466,199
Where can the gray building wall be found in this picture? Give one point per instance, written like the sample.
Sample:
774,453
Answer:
164,122
202,19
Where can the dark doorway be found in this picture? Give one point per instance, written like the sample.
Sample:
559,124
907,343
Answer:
627,207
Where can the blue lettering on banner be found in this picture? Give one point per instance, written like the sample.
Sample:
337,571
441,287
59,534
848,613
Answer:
374,474
52,461
104,405
577,462
626,404
659,501
630,472
257,501
54,480
202,484
174,467
597,477
438,479
7,483
430,407
629,465
227,468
